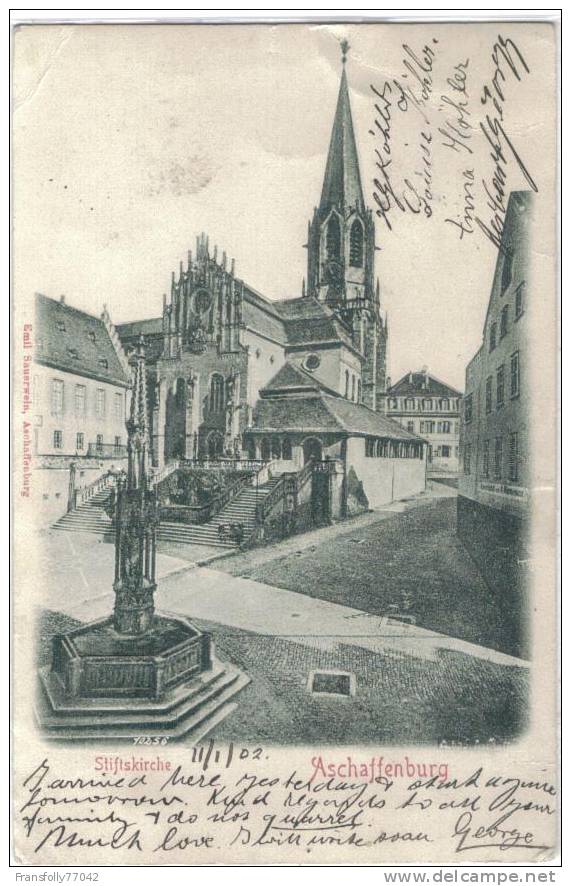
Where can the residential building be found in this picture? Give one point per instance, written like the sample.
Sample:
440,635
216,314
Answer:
494,486
426,406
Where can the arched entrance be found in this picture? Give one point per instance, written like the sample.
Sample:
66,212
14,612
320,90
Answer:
215,444
312,448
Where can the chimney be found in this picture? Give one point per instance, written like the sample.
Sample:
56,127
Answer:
410,378
425,374
62,299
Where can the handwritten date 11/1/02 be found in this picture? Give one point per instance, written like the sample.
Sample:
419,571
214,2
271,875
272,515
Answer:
207,754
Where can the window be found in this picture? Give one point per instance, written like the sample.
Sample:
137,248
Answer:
422,427
103,362
504,321
99,443
456,428
356,245
353,388
276,447
467,458
514,457
514,375
427,404
445,405
409,404
369,447
445,452
493,330
333,238
445,427
91,335
216,393
79,442
519,300
498,455
72,352
80,391
430,426
286,449
468,409
410,427
57,397
117,445
58,439
346,384
488,394
500,386
507,269
393,403
486,459
99,402
312,362
60,325
118,405
359,393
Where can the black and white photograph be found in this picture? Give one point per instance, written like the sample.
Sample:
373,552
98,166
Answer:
285,395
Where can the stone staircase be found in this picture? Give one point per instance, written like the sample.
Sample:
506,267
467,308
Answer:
91,517
241,509
88,517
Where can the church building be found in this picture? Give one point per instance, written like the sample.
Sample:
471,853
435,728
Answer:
234,374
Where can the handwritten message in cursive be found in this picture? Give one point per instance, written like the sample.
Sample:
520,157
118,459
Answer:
443,139
241,804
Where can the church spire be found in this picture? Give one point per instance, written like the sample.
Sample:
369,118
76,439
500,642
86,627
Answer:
342,184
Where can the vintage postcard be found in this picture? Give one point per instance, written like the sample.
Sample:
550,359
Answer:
284,356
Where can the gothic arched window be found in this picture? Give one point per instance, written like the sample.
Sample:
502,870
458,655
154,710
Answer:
216,393
333,239
356,245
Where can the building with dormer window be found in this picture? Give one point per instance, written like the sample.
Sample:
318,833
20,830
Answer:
426,406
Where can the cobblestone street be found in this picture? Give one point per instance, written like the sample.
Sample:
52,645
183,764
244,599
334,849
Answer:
411,563
324,601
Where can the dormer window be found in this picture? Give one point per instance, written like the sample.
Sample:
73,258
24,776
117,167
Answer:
60,324
72,352
91,335
103,362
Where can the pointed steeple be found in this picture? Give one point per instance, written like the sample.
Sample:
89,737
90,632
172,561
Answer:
342,183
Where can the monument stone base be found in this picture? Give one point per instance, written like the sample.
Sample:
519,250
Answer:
104,685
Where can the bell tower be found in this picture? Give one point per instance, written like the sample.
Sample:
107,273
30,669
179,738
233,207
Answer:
341,234
341,250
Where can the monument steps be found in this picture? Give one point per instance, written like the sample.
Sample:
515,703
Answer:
188,710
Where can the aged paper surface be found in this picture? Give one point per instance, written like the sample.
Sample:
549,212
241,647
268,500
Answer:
285,584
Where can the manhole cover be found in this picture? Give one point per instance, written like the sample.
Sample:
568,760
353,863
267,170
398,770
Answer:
334,683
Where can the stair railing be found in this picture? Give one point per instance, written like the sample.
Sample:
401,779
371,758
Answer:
105,481
157,475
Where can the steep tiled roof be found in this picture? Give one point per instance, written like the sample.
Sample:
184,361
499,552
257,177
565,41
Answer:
153,326
292,378
307,320
74,341
320,412
313,407
151,329
419,384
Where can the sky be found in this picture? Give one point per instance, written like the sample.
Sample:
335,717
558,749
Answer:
131,140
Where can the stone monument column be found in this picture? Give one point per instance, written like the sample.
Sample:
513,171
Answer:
136,520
